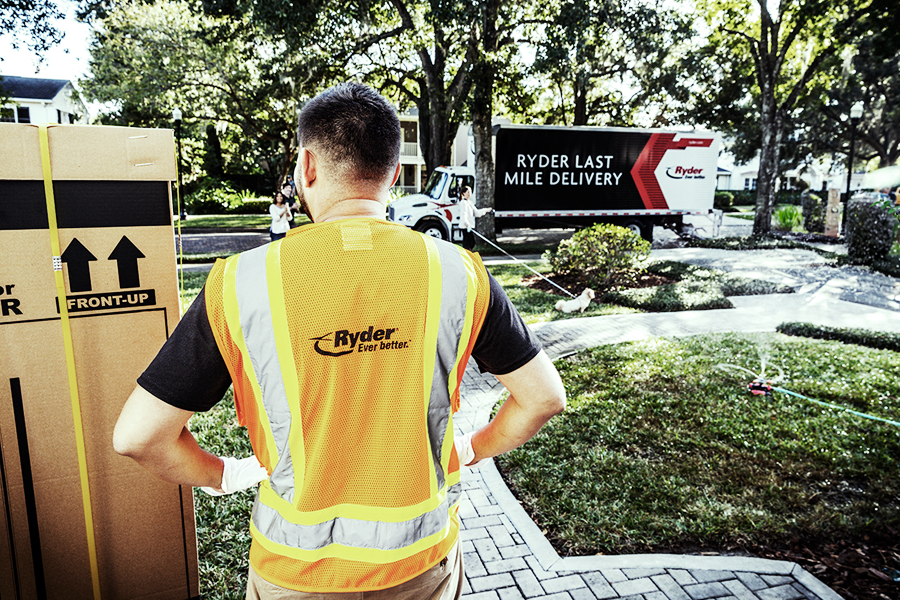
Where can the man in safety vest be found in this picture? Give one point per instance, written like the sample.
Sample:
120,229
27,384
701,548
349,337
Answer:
346,343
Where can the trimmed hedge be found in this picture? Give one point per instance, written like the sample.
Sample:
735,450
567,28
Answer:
813,207
871,228
880,340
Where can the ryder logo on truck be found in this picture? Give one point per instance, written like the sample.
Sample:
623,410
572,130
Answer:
685,173
344,341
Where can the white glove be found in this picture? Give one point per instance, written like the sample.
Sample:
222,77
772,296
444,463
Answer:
465,452
238,475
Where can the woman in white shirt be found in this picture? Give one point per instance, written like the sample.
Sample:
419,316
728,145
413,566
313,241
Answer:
281,217
467,215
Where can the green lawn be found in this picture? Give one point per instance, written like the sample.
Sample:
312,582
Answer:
223,522
536,306
261,222
658,448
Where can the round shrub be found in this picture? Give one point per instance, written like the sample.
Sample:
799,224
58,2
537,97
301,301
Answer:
870,229
607,256
813,212
723,200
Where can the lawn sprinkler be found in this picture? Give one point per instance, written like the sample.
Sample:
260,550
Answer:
763,386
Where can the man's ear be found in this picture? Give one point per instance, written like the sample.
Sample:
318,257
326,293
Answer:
396,175
306,168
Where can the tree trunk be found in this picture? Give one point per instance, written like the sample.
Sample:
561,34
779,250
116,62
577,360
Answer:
482,107
290,155
769,156
580,89
439,109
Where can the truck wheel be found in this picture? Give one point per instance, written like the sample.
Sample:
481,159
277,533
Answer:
431,228
641,228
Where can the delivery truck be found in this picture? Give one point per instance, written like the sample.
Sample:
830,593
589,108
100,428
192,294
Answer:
571,177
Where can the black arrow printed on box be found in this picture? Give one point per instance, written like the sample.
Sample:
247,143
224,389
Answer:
126,254
78,258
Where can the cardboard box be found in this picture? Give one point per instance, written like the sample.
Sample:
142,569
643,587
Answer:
113,204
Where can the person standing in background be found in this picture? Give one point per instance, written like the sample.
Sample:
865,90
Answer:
281,217
467,215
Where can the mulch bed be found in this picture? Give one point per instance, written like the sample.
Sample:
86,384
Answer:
575,283
857,569
861,568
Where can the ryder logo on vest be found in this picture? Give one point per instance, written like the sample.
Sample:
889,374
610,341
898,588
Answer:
367,340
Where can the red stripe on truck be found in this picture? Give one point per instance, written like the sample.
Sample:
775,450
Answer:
644,170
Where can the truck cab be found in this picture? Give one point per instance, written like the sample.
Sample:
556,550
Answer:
435,211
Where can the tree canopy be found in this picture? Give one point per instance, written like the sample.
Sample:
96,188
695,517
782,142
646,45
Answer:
775,76
31,23
148,58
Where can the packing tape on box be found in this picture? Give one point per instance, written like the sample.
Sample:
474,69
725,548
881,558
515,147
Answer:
70,357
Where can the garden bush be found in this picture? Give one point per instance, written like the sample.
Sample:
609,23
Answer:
813,207
871,229
788,197
607,256
723,201
890,265
252,207
788,217
744,197
216,197
880,340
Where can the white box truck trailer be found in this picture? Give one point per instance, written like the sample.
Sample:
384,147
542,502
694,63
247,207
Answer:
562,177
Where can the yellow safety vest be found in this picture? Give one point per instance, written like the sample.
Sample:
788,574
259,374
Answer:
346,343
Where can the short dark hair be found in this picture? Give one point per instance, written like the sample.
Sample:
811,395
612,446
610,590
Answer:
355,127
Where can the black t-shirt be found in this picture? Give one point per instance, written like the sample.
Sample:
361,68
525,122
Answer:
190,373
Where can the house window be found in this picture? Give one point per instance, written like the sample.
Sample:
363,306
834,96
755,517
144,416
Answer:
749,183
24,114
7,115
410,138
62,117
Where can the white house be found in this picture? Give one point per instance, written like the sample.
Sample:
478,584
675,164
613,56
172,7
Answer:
412,163
35,100
820,174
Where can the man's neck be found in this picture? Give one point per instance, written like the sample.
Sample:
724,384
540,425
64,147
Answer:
352,208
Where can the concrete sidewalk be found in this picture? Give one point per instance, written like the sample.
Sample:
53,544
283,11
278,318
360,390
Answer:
507,557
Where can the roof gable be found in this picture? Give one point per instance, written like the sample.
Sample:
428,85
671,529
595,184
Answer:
31,87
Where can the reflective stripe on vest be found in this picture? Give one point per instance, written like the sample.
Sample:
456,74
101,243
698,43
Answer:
352,532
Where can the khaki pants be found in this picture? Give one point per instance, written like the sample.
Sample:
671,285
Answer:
441,582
